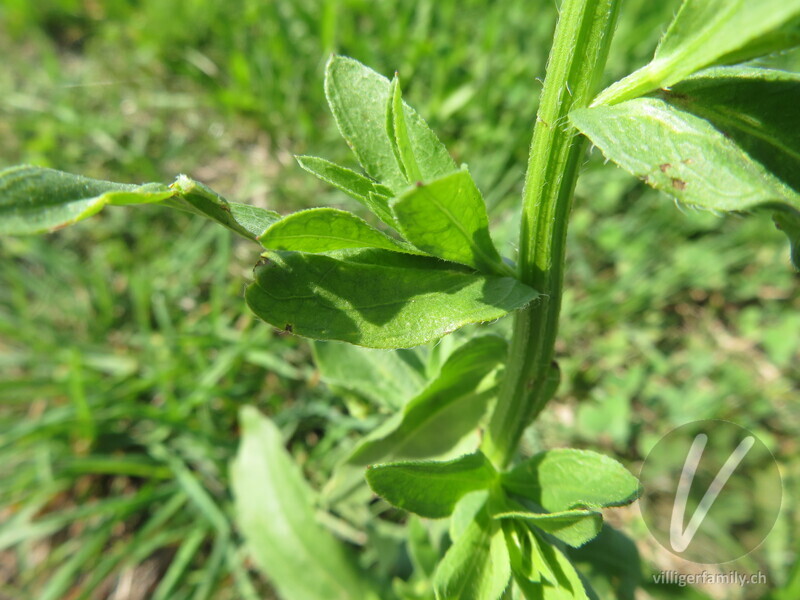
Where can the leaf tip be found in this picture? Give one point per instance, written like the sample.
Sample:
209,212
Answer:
248,417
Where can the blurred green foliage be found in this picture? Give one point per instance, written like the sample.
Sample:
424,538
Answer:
122,365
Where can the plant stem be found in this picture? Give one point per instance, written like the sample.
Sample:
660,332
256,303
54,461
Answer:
577,59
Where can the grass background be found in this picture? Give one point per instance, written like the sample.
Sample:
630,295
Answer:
125,345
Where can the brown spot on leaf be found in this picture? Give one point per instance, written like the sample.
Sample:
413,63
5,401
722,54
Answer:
678,184
288,327
668,93
420,184
687,161
664,167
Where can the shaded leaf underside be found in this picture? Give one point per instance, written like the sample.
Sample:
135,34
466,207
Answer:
376,298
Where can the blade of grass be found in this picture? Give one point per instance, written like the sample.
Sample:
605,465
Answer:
181,562
212,567
89,551
13,532
85,430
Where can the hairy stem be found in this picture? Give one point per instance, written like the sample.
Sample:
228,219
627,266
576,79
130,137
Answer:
577,58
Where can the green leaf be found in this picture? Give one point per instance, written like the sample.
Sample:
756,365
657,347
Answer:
424,556
438,423
777,40
425,430
756,109
573,527
252,219
325,229
466,512
386,377
448,409
36,200
379,205
477,565
447,218
390,129
397,131
376,298
681,154
275,513
358,97
563,479
195,197
564,584
704,31
369,193
710,32
748,164
428,488
527,560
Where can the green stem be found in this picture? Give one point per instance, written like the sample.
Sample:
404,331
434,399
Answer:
577,58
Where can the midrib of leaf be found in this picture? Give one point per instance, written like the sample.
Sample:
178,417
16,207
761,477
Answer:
395,302
302,236
320,291
562,515
438,477
55,201
399,246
